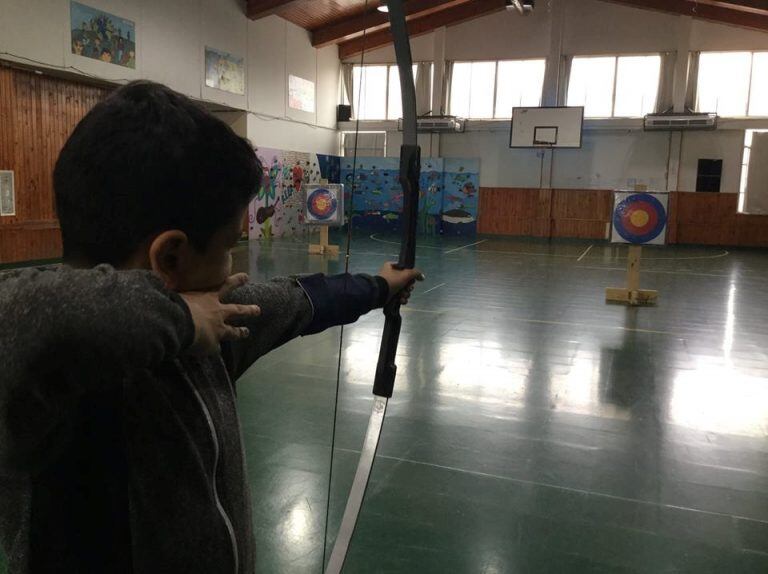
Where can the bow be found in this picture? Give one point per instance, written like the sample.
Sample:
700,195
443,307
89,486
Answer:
384,382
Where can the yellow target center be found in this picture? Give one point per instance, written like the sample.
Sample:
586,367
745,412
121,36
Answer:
639,218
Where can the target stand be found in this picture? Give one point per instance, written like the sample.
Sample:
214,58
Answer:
323,248
324,207
632,294
638,219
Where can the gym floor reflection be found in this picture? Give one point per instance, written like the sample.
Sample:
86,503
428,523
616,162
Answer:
533,428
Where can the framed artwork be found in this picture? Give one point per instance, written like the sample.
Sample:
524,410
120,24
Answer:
301,94
224,71
7,194
102,36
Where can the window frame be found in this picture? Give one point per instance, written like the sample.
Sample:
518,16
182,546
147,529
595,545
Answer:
615,57
749,80
496,84
388,66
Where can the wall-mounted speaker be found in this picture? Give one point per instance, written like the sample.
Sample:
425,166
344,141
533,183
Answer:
709,175
343,113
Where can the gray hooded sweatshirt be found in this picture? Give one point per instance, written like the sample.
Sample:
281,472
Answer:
119,451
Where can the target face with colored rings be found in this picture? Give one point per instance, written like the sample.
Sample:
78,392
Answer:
639,218
321,204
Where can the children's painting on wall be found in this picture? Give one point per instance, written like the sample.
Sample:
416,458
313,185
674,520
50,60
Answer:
224,71
278,208
301,94
102,36
460,184
447,194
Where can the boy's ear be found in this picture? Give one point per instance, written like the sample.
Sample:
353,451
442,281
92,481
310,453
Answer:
166,256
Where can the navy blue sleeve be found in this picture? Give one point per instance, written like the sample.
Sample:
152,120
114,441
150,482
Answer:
341,299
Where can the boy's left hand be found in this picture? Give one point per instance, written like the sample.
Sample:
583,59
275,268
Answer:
400,281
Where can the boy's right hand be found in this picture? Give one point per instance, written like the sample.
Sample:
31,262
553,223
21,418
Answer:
211,317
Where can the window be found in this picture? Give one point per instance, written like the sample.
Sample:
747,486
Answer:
381,98
748,136
369,144
733,84
487,90
615,86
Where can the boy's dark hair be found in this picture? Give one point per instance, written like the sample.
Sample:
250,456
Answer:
145,160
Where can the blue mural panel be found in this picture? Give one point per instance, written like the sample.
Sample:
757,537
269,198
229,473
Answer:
461,182
378,199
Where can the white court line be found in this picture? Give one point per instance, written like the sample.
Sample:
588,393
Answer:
432,289
583,255
568,323
559,487
464,246
655,271
616,257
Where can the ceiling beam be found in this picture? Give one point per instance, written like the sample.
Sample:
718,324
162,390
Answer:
755,6
373,20
705,10
464,11
256,9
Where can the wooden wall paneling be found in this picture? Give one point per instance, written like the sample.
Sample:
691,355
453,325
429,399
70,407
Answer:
37,114
581,213
672,217
752,230
514,211
706,218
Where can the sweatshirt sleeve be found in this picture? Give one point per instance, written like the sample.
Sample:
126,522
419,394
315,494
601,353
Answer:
296,306
64,332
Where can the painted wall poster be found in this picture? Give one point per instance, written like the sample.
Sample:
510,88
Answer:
461,181
377,198
224,71
447,194
102,36
7,193
301,94
278,208
430,195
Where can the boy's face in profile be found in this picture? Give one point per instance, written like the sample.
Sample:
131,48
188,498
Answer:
185,268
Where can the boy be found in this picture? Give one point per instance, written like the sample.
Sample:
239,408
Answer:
120,447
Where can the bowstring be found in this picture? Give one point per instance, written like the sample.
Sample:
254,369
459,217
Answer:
347,254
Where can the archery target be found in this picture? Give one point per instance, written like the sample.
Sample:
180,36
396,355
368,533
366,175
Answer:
323,204
639,218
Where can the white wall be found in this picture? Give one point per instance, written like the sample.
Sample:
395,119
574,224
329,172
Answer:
727,145
613,160
171,37
500,166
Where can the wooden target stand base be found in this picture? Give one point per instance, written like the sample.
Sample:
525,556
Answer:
632,294
323,248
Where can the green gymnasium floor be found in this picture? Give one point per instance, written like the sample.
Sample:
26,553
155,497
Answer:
533,428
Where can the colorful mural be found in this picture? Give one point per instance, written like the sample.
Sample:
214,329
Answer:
461,182
102,36
447,198
224,71
277,209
